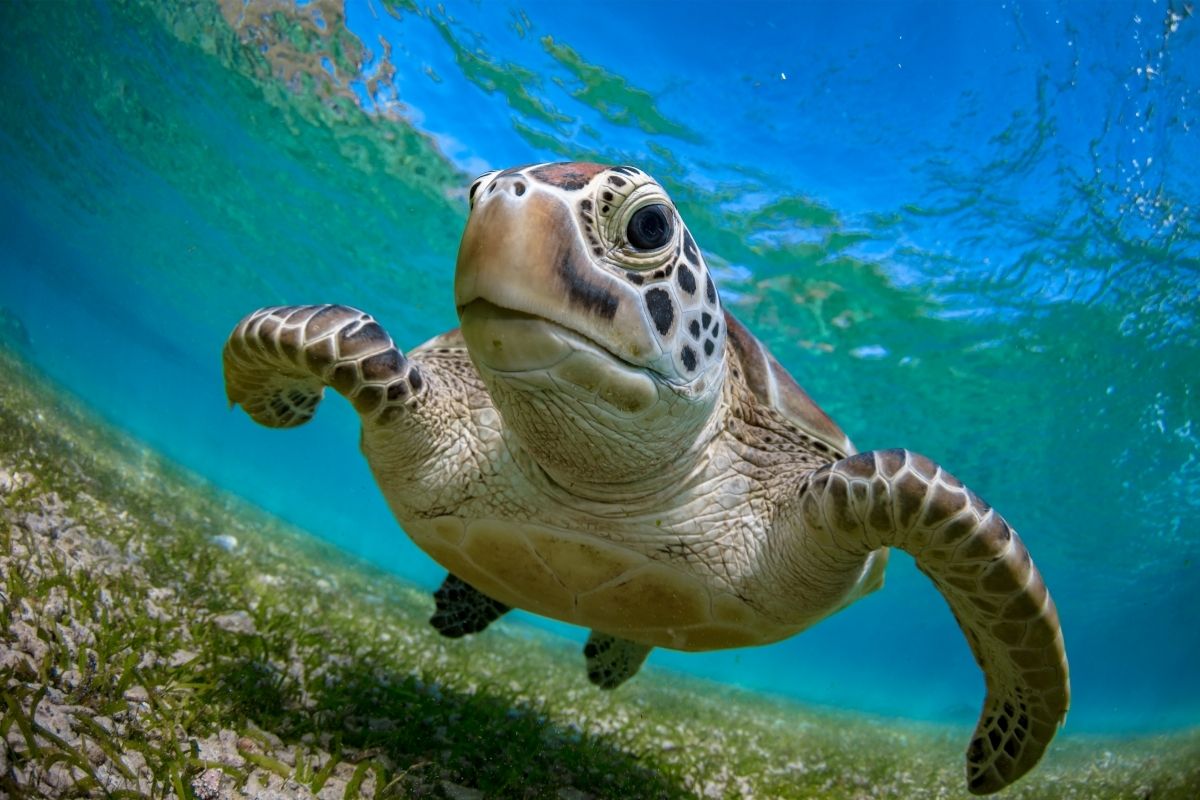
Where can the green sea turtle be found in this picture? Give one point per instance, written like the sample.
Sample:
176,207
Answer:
601,442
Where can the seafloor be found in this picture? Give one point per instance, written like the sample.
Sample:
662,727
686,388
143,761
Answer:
161,638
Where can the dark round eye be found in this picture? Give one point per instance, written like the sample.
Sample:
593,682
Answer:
650,227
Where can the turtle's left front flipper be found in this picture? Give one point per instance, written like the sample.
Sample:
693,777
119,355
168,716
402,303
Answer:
900,499
279,360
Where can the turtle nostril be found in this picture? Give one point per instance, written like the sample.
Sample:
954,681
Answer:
519,188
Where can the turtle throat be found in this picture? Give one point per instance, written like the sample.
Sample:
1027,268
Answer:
595,424
585,446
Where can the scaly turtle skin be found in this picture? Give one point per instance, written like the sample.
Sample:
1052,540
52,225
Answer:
602,443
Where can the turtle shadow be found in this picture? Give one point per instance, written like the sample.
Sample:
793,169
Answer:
424,735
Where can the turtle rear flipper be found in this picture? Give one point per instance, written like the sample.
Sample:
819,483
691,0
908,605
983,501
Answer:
900,499
463,609
612,660
279,360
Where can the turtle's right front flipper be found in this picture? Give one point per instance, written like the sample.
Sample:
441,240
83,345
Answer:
279,360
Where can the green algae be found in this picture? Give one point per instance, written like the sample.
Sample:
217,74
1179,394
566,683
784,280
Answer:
613,96
513,81
161,638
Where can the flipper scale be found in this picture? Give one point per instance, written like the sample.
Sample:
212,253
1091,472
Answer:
462,609
612,660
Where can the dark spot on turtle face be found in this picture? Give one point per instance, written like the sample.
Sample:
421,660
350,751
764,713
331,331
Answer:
635,278
568,176
658,274
689,247
626,170
710,291
709,346
608,196
603,209
581,291
694,329
662,310
705,320
598,251
687,281
415,380
397,390
716,329
688,356
616,181
585,205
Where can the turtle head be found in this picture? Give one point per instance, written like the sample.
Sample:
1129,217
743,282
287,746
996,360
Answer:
588,309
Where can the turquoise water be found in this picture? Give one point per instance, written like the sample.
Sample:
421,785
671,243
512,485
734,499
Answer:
968,229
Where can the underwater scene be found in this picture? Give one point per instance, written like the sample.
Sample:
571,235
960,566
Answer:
968,229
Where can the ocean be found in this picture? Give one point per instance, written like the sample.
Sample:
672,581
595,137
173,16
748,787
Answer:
968,229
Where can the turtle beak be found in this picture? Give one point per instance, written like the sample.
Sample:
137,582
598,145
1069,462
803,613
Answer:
523,251
499,244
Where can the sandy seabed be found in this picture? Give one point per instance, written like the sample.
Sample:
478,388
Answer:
160,638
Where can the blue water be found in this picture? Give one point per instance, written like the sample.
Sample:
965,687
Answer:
969,229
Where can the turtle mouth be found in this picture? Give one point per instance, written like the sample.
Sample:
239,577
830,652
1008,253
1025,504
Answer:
523,341
529,353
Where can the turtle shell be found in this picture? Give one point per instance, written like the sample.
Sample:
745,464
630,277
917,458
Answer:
773,386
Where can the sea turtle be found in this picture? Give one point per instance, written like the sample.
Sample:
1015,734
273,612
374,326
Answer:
603,443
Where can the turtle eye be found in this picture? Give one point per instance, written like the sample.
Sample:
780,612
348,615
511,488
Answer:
650,227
